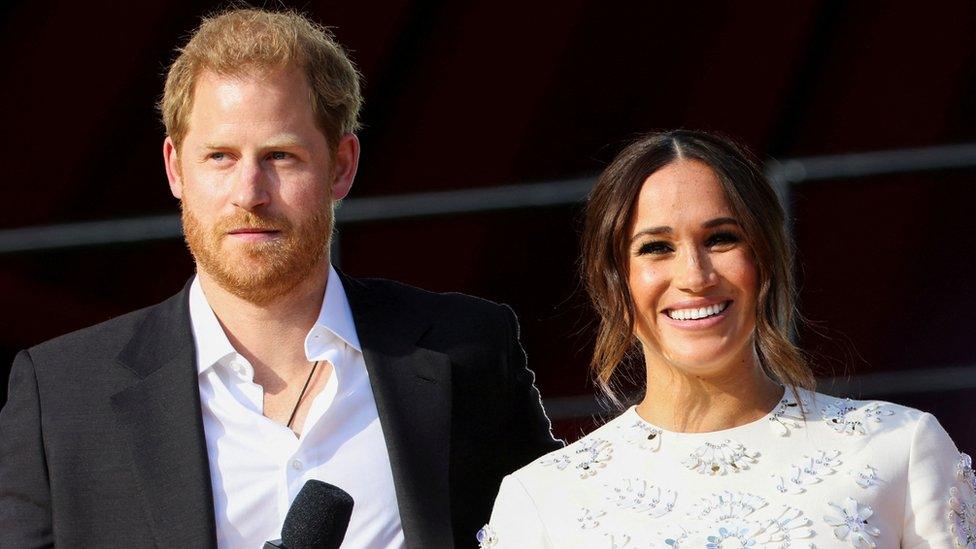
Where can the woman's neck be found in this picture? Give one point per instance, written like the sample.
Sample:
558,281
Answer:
678,401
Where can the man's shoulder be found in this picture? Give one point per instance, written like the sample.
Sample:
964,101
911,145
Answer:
419,297
104,339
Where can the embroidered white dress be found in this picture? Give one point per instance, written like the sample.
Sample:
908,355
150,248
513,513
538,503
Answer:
850,474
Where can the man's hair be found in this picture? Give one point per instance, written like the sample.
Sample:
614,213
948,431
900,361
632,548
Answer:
240,42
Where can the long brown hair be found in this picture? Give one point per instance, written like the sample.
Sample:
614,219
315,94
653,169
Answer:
609,212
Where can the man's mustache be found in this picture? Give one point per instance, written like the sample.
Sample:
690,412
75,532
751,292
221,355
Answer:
251,221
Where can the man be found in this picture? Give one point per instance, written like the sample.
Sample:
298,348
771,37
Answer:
195,422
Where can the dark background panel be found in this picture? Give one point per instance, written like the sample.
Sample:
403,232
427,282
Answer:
463,95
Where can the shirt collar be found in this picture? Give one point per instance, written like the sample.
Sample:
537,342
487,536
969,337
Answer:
211,341
335,318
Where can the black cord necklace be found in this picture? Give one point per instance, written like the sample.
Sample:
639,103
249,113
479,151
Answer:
302,394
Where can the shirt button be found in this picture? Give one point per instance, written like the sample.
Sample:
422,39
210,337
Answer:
296,464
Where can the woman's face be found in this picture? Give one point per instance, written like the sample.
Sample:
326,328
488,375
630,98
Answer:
692,275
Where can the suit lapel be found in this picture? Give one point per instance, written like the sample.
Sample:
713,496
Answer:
161,418
412,389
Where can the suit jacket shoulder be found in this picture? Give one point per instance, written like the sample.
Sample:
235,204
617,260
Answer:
106,340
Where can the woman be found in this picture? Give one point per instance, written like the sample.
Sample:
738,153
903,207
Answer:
688,265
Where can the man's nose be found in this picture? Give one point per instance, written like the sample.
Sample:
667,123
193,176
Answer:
250,189
696,273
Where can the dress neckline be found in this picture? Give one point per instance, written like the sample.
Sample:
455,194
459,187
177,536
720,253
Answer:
786,404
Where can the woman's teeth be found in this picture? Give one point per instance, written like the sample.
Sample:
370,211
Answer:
697,313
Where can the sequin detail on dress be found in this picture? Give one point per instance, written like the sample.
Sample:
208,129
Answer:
721,458
788,526
643,435
962,520
866,477
591,456
809,471
637,495
786,416
486,537
964,471
845,417
851,523
589,518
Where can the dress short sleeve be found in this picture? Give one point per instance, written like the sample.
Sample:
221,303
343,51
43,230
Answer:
515,521
941,493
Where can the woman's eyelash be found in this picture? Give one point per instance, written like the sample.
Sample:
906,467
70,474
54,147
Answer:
722,238
654,248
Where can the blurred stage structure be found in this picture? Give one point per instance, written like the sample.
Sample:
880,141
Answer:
789,176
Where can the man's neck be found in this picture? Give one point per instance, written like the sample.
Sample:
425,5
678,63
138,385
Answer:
270,335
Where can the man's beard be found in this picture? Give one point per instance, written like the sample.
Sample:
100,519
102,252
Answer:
259,272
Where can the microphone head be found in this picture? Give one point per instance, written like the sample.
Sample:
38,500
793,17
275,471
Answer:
318,517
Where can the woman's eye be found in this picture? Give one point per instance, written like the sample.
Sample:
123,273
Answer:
722,240
655,248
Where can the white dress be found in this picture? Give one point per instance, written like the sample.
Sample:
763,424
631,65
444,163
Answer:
849,474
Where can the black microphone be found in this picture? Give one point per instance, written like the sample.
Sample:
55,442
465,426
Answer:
317,519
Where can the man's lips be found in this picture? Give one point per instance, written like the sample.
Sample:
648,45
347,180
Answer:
254,235
253,231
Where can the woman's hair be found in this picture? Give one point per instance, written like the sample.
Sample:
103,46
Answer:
606,238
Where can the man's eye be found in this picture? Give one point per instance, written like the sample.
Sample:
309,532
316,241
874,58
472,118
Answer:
655,248
218,156
279,155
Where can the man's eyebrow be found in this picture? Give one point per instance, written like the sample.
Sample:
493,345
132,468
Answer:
281,142
284,141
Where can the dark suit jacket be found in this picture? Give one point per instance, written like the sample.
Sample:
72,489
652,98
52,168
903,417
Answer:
102,443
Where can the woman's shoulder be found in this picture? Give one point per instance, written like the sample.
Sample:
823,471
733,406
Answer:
859,418
581,459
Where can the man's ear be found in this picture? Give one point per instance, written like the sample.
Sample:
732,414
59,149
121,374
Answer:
173,172
345,166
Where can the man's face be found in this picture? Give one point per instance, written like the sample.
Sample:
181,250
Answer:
257,179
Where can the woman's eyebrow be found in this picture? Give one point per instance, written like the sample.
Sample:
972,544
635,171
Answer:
719,221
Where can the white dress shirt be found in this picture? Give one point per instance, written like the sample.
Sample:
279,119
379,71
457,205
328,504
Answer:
258,466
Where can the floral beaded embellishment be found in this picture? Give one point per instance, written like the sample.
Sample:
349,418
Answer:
726,505
588,518
786,416
788,526
964,471
591,455
851,523
618,541
637,495
867,477
595,454
848,419
742,532
486,537
559,461
730,513
642,435
809,471
719,459
962,520
673,537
